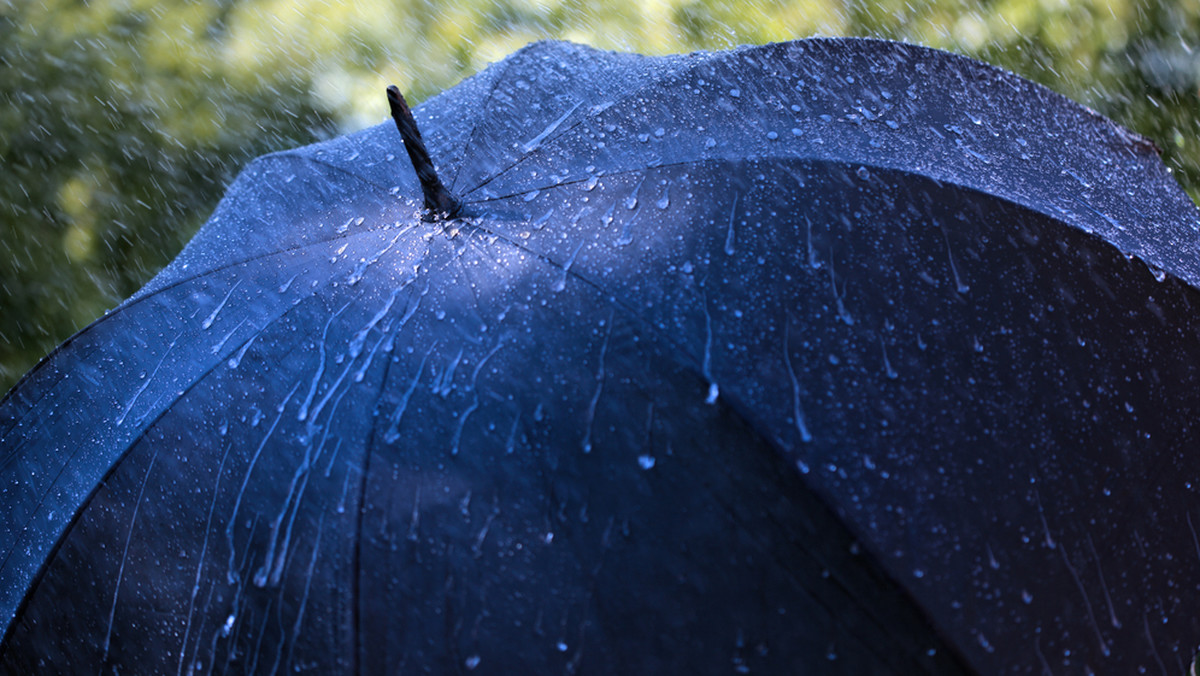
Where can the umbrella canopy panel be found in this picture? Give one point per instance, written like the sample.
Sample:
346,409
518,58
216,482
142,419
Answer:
603,413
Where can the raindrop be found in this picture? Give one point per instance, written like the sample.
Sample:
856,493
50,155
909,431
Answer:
735,93
729,237
646,461
892,124
529,197
237,358
771,136
887,364
627,232
472,662
607,218
591,183
286,285
863,173
664,201
212,317
541,222
631,201
710,142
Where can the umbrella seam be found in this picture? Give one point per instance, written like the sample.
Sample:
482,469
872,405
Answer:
1083,223
506,65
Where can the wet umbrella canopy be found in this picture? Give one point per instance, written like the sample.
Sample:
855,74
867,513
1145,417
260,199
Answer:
826,356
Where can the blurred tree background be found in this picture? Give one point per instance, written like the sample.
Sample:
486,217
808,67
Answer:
122,121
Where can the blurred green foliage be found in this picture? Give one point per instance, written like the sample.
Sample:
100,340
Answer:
121,121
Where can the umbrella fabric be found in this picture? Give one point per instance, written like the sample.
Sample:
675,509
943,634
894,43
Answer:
594,424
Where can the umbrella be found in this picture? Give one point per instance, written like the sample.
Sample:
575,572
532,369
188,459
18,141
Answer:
826,356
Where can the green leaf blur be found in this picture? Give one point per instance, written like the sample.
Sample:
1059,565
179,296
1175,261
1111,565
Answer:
122,121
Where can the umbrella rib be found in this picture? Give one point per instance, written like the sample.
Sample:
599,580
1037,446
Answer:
879,622
506,65
824,512
48,360
623,172
364,474
296,154
1011,200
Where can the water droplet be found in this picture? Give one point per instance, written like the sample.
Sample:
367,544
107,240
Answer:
863,173
646,461
472,662
607,218
735,93
710,142
772,135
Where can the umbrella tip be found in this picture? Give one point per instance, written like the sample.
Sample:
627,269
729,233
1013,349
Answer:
439,201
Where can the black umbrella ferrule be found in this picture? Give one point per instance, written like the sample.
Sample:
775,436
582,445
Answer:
438,200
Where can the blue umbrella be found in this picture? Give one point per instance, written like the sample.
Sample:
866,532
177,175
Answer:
830,356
